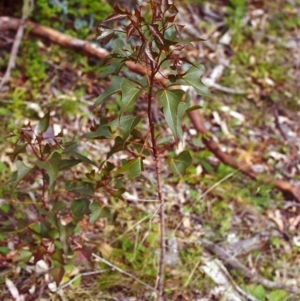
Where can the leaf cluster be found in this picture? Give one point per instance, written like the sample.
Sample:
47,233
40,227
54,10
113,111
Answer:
150,38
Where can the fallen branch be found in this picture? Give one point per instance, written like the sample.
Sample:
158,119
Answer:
92,50
232,262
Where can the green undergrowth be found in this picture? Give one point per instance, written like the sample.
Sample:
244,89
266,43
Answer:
130,242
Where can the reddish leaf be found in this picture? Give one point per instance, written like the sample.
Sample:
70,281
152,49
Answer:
149,53
130,30
57,273
179,29
155,31
115,18
118,10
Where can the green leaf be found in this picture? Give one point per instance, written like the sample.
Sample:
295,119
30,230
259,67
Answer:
197,142
182,108
102,132
128,123
59,206
83,158
44,123
112,66
169,100
45,228
20,173
79,208
58,256
164,140
192,77
277,295
95,209
67,164
71,149
119,47
130,94
51,167
98,212
133,167
84,188
4,250
23,256
5,208
119,145
180,163
65,231
112,89
20,148
259,292
118,193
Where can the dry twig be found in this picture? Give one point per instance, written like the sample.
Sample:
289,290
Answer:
114,267
234,263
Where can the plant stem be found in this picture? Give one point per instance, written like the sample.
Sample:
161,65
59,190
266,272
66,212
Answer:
160,276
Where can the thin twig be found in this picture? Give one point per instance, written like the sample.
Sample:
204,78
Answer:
27,9
78,276
124,272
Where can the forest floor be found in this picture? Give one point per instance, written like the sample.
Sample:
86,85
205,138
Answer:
229,237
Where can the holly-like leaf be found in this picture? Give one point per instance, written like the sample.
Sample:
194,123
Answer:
20,148
117,47
120,144
20,173
84,188
59,206
169,100
98,212
192,77
133,167
83,158
67,164
95,209
130,94
112,67
102,132
180,163
79,208
51,167
44,123
23,256
128,123
70,148
112,89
